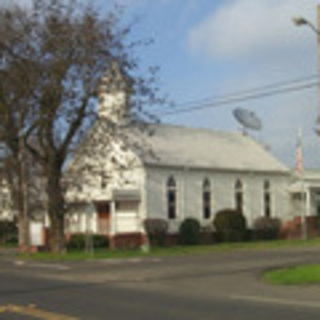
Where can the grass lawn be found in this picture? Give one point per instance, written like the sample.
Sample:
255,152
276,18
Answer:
308,274
174,250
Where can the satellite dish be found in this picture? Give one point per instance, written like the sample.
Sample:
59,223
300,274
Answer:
247,118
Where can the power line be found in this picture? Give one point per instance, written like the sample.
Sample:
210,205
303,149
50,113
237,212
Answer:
250,90
233,98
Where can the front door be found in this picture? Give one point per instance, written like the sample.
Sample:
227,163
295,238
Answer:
103,210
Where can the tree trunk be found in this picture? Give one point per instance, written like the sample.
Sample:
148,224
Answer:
55,209
24,232
56,234
23,216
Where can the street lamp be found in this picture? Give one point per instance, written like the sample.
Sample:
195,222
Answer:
300,21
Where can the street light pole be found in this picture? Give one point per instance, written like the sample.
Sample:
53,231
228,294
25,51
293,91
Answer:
300,21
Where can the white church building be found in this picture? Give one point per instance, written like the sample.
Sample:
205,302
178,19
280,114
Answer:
182,172
193,173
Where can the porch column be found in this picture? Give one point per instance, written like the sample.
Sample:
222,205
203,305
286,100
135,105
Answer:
308,207
308,202
90,210
89,222
113,225
306,212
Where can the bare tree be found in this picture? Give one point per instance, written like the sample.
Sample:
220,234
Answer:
14,118
57,54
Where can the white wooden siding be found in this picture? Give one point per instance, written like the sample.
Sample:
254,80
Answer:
189,193
127,217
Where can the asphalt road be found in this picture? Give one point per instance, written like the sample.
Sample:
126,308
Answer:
215,286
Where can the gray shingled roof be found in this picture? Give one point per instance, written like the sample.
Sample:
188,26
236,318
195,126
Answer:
200,148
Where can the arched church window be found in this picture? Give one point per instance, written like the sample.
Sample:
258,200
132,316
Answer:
172,198
206,199
239,195
267,198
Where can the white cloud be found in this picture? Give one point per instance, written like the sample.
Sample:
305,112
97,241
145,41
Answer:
261,46
247,28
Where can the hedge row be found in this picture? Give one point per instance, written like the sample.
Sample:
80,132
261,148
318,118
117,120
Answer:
229,225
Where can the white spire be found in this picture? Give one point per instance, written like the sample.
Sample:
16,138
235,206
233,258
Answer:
113,99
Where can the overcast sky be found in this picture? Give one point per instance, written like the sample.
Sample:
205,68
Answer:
206,49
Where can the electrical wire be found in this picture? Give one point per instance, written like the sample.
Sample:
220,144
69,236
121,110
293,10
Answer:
241,97
251,90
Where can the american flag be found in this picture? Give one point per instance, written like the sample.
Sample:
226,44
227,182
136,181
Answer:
299,166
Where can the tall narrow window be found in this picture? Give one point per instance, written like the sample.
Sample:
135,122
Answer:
239,196
172,198
267,199
206,199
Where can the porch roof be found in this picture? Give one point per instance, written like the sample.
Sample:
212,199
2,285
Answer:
307,180
126,195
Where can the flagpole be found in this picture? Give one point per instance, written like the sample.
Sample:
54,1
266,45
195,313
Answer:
304,198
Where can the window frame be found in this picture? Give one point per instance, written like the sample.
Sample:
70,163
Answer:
267,202
206,199
238,195
171,198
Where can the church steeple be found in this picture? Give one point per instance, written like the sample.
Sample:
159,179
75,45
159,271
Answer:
113,94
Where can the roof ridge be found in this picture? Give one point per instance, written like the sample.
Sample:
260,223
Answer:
200,129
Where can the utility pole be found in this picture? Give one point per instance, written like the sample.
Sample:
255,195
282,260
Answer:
305,196
300,21
318,56
304,192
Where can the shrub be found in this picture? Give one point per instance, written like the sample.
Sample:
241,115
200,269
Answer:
100,241
78,241
230,225
156,230
266,228
189,232
8,232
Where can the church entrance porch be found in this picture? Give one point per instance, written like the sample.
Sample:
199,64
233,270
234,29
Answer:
120,218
